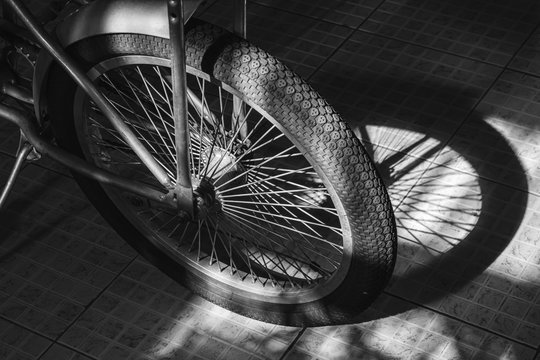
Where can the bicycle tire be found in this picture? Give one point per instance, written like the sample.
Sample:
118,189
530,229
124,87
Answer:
292,289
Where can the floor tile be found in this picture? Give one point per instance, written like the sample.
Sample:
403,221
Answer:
395,329
9,138
57,352
454,137
17,342
503,136
300,42
145,314
466,250
489,31
528,58
348,12
54,259
373,81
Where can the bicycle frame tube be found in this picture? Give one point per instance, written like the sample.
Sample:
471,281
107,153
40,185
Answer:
183,187
239,28
240,20
88,86
181,192
73,162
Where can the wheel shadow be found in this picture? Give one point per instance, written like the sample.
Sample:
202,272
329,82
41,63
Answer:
457,210
468,195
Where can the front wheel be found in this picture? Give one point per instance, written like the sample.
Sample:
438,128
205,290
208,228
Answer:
293,224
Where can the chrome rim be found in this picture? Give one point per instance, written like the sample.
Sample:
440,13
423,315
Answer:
266,216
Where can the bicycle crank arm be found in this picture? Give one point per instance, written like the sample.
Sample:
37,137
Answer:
44,147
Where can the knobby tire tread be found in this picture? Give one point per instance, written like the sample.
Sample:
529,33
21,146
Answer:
305,115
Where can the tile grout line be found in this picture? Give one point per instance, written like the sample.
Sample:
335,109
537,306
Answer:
290,12
293,343
437,311
354,30
86,308
358,29
459,127
67,347
446,52
53,341
513,187
503,69
302,331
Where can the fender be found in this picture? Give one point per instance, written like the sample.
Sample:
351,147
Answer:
100,17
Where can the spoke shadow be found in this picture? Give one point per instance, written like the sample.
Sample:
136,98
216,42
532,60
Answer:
448,201
456,211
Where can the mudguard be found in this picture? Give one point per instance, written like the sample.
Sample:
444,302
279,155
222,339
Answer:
100,17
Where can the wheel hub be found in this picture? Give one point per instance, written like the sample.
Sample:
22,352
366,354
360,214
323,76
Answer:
222,172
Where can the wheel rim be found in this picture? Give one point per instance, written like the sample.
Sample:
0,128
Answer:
268,221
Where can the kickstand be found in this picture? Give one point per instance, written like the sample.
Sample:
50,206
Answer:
26,152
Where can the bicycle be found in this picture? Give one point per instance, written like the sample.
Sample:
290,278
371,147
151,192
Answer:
208,155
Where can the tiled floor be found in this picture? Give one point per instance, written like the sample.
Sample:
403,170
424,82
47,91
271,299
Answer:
445,95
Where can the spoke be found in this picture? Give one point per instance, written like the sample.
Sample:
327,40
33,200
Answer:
261,180
148,87
288,210
248,160
331,211
122,148
288,182
284,204
135,128
206,114
125,97
283,217
288,205
242,222
228,249
249,171
246,225
227,149
201,130
167,89
282,191
255,146
300,208
275,222
222,117
134,89
240,211
213,242
304,260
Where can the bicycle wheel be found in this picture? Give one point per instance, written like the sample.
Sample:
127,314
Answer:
293,224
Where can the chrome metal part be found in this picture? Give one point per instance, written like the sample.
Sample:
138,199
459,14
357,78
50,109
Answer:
240,29
100,17
16,92
240,18
44,147
23,153
183,187
57,52
120,16
8,84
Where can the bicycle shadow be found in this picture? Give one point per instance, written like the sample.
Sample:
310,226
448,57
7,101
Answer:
457,205
33,211
469,203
